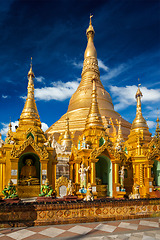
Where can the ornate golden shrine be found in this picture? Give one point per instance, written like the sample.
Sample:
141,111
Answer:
27,142
105,152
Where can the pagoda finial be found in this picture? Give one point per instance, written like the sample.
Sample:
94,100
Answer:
90,22
139,121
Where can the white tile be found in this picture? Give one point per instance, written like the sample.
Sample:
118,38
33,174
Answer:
128,234
80,229
148,238
105,227
153,224
157,236
94,238
133,226
20,234
149,223
123,225
52,232
145,223
112,236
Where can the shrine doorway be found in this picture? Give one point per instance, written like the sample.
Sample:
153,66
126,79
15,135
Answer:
29,186
35,162
104,172
156,173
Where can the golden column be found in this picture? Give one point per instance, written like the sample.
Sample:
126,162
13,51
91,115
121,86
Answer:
71,171
93,170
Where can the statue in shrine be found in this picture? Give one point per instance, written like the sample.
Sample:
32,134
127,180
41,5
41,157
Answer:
89,194
1,141
10,191
49,142
58,147
70,188
135,194
46,190
84,145
121,172
28,175
82,172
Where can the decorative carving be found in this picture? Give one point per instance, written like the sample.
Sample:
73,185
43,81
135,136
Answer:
42,152
90,63
58,147
62,181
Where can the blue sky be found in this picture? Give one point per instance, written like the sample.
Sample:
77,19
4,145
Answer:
127,40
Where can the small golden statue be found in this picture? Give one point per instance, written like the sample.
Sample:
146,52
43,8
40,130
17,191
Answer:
135,194
28,175
10,191
89,194
46,190
82,172
70,188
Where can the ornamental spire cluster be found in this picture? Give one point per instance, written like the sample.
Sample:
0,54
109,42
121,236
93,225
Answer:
139,121
30,109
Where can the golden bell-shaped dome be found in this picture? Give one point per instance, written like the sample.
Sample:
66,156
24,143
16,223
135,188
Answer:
80,101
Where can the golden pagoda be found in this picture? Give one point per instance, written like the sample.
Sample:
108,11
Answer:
80,101
24,158
116,158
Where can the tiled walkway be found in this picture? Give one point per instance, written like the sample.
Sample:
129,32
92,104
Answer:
146,229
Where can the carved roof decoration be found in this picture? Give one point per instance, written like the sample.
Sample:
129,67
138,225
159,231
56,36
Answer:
42,152
97,151
118,155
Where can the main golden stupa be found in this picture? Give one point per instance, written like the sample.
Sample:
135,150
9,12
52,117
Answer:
80,101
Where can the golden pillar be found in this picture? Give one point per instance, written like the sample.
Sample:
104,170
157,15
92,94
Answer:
76,173
53,174
71,171
2,177
116,173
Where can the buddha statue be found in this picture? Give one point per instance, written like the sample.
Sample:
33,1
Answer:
28,175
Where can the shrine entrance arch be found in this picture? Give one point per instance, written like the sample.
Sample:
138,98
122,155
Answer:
35,161
104,172
155,173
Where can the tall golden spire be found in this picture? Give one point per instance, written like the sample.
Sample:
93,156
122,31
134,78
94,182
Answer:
139,121
94,117
9,133
66,139
157,127
30,108
120,135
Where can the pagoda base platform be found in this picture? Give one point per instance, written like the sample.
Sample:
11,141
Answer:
75,211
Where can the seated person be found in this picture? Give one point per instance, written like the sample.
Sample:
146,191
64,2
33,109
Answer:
28,175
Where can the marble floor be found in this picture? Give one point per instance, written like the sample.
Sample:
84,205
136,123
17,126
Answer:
136,229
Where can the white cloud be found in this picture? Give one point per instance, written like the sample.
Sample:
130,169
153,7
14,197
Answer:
23,97
40,79
102,65
5,96
126,95
44,126
114,72
60,91
4,129
151,124
77,65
